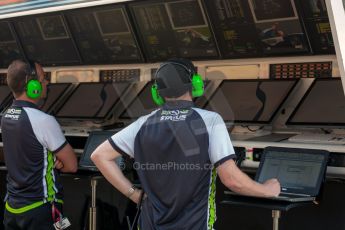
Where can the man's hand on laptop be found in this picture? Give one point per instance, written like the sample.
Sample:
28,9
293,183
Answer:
273,187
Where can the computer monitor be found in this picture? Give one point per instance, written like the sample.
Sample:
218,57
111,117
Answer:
93,141
104,35
173,28
46,38
322,105
9,47
141,105
92,100
5,94
55,92
250,101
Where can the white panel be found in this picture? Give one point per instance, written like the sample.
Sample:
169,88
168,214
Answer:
76,76
233,72
336,12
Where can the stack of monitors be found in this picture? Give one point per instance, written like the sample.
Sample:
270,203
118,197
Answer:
322,105
317,25
257,28
174,29
46,38
92,101
9,48
250,101
104,35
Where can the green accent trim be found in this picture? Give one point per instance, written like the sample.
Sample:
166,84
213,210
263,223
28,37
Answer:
28,207
212,201
49,176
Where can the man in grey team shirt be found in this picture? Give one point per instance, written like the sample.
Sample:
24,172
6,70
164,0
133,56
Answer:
178,151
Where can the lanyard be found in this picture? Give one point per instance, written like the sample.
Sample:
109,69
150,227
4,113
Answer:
56,214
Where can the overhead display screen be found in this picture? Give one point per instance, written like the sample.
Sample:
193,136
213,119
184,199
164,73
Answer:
9,49
47,39
278,26
104,35
250,101
322,105
317,25
92,100
234,27
174,28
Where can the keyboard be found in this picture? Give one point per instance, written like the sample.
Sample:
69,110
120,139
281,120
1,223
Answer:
318,138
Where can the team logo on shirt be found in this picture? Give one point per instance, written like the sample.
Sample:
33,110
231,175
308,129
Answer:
13,114
174,115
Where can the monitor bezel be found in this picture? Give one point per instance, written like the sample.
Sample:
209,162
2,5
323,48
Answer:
244,122
6,102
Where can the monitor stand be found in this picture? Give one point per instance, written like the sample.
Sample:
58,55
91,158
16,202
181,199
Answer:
275,205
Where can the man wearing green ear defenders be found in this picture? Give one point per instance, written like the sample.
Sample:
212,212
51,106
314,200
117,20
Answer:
178,151
35,150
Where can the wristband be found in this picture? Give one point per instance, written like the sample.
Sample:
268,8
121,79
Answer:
131,191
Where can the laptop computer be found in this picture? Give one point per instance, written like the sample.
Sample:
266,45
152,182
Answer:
93,141
299,171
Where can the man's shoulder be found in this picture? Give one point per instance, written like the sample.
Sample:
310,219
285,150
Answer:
38,115
206,113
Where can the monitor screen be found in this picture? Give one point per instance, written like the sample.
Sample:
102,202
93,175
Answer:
92,100
9,48
314,14
5,94
250,101
141,105
47,39
174,28
234,28
322,105
55,91
93,141
294,170
104,35
278,27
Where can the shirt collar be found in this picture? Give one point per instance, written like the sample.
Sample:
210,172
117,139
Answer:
178,104
21,103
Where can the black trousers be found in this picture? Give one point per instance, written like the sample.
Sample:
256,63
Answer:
36,219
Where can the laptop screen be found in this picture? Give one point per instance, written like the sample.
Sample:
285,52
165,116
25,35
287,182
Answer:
298,170
93,141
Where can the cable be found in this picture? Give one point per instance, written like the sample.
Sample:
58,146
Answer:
252,130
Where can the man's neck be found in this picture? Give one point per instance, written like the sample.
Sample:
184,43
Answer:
23,97
184,97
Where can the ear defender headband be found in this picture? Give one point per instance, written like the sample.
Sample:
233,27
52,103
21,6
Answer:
195,79
33,86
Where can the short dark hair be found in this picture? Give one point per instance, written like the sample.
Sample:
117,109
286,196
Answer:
18,73
173,77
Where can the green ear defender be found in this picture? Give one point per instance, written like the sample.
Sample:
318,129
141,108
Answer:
33,86
157,99
33,89
195,78
197,85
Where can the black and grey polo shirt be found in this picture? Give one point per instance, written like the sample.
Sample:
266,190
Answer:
175,149
30,138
